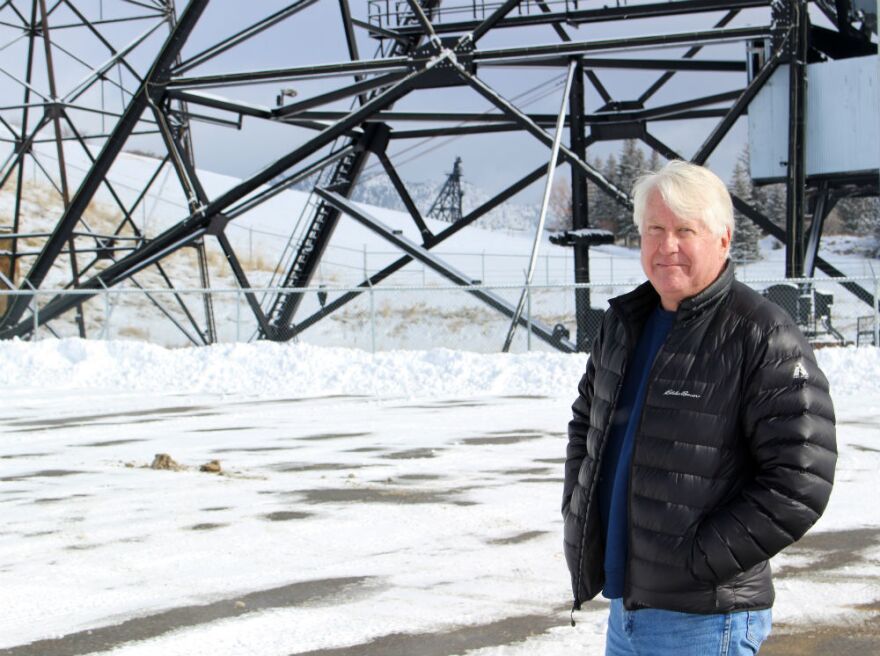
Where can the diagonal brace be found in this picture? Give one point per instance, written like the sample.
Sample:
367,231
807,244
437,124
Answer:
458,277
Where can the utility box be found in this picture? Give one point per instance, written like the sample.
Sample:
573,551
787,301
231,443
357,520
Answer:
842,127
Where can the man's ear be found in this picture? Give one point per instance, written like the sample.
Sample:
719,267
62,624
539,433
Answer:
725,240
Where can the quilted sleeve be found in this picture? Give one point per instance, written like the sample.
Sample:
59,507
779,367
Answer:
788,421
579,425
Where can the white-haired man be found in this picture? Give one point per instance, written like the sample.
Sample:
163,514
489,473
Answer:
702,441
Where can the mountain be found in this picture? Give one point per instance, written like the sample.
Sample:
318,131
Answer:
376,189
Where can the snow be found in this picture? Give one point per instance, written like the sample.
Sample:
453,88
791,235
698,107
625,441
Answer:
423,483
421,490
304,370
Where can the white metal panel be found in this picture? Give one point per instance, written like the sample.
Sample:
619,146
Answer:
843,132
843,120
768,128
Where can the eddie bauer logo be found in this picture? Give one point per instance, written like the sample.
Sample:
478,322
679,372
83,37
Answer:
672,392
800,372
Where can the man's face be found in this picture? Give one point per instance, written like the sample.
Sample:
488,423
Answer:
681,257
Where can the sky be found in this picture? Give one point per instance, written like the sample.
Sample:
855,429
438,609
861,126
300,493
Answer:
315,36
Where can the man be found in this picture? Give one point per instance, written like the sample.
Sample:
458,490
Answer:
702,441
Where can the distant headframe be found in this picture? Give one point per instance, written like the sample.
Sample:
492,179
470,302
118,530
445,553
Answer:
162,70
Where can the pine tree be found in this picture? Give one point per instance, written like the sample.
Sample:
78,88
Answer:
654,163
594,196
605,210
746,234
858,215
770,201
876,252
632,165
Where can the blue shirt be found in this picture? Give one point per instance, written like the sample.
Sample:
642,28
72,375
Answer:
614,471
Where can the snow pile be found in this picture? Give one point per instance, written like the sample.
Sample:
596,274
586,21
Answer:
267,368
850,370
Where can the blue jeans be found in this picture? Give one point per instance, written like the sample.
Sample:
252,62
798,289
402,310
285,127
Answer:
651,632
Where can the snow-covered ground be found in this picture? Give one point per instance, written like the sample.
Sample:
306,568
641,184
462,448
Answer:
397,503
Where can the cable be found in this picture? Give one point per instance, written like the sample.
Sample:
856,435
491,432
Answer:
556,82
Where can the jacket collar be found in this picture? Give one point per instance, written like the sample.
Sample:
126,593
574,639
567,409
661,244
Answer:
706,300
640,302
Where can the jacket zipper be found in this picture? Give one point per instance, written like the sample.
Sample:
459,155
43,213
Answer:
630,348
632,458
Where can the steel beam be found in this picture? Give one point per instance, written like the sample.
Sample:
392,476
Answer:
795,179
423,255
761,220
580,217
532,128
582,16
660,82
823,202
387,65
241,36
105,159
738,108
404,195
644,64
398,264
629,44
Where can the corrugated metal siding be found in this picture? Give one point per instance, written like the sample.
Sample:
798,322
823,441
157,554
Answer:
843,120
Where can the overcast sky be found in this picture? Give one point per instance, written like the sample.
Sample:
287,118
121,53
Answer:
315,36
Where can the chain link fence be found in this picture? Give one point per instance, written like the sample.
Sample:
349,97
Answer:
475,318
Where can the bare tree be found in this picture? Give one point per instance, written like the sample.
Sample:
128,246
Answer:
559,216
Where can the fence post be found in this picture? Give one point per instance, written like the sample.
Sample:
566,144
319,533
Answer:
372,320
876,311
238,316
483,267
36,314
529,317
365,262
547,268
106,331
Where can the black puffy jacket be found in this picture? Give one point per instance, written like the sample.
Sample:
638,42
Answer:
733,459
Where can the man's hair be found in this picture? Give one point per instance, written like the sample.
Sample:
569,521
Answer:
690,191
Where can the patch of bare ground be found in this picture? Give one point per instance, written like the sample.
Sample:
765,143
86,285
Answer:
830,551
860,640
826,553
296,467
405,495
80,420
286,515
459,640
518,538
335,591
320,437
412,454
512,438
44,473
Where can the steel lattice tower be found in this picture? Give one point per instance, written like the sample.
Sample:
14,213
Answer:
447,205
170,75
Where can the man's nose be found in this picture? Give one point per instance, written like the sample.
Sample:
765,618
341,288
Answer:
669,242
